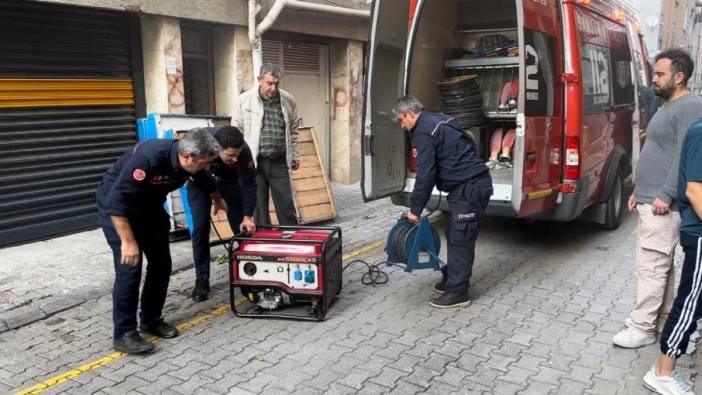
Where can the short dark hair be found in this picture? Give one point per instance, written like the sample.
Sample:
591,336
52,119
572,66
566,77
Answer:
230,137
680,62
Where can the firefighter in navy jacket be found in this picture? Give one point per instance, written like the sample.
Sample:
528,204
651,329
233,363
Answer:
235,174
448,159
130,207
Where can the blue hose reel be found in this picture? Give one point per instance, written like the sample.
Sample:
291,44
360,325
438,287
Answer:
415,246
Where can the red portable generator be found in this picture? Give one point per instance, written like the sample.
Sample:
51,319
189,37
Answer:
286,272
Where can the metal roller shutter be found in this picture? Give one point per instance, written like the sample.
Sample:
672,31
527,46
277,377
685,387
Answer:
67,111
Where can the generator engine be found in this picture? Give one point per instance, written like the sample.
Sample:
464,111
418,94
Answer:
270,299
286,272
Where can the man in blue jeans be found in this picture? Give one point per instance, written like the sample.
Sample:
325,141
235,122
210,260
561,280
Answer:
235,175
687,307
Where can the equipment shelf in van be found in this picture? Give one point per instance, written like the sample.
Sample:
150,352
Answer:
506,61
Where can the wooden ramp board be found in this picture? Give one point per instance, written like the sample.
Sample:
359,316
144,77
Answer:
221,224
312,195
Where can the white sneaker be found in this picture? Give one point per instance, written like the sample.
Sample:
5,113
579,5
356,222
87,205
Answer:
675,384
634,338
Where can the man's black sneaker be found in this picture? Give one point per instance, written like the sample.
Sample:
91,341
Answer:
159,328
202,288
440,287
132,343
450,299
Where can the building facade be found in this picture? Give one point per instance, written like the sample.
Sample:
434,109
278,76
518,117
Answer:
76,74
681,27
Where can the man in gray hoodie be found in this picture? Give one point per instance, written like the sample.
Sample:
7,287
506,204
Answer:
655,198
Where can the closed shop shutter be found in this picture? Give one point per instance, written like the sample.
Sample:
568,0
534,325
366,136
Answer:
67,112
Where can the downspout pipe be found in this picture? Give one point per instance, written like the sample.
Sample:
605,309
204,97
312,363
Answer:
254,39
256,32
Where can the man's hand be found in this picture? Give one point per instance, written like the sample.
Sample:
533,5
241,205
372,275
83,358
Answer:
295,164
247,225
131,255
219,204
659,207
632,203
412,218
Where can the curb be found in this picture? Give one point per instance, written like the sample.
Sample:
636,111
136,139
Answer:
46,307
53,304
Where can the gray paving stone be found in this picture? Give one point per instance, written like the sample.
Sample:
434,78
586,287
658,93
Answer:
603,387
507,388
404,387
257,383
356,378
573,387
516,375
536,387
129,384
324,379
388,376
161,385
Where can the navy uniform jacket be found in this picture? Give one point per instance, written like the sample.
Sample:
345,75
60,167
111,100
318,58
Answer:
240,178
137,184
446,157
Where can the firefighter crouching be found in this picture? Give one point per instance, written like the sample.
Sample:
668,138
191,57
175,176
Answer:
130,207
447,158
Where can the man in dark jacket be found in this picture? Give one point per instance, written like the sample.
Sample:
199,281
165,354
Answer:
235,176
130,209
448,159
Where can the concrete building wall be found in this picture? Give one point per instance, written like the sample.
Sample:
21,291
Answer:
682,28
650,20
235,12
347,103
163,64
232,63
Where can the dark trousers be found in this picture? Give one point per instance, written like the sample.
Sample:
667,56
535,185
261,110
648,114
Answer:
152,236
201,206
467,204
687,307
272,174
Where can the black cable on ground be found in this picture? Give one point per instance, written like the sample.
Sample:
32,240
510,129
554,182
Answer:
374,275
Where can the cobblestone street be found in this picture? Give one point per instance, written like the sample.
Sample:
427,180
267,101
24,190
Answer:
547,298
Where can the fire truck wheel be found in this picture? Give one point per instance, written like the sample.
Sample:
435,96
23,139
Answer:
614,206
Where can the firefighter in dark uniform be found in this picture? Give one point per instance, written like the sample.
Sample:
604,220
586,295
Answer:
235,175
130,203
448,159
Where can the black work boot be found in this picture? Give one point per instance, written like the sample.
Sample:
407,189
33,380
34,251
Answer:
450,299
202,287
159,328
440,287
132,343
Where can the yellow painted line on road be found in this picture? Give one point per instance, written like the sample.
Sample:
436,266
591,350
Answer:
58,379
53,381
361,250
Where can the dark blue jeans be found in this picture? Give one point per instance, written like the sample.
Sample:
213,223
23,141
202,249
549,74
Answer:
152,236
201,205
467,203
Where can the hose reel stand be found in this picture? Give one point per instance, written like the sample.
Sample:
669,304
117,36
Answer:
414,245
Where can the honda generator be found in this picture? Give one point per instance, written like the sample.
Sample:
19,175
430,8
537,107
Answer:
286,272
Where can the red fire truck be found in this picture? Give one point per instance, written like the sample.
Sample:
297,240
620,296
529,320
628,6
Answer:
574,69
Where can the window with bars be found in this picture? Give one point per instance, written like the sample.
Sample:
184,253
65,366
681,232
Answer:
198,74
